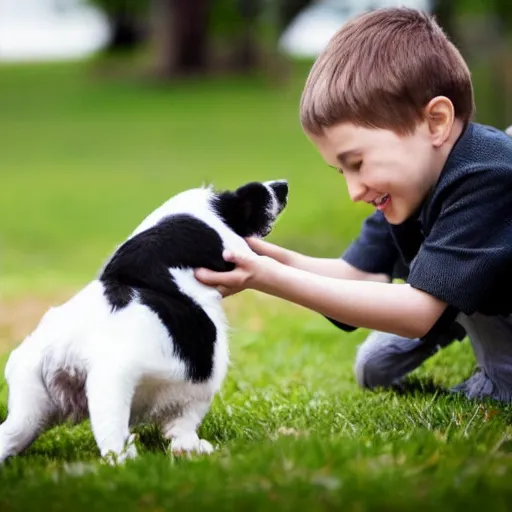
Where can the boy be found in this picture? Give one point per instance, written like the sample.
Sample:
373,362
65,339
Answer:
389,104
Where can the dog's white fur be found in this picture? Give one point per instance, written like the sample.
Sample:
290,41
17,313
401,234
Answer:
124,359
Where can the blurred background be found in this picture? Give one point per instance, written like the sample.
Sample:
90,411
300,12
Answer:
108,107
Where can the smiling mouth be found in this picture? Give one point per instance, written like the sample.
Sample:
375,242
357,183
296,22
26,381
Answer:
381,202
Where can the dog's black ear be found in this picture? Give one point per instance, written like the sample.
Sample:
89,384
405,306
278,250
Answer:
251,198
245,210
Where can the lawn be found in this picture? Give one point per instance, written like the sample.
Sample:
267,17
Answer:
83,160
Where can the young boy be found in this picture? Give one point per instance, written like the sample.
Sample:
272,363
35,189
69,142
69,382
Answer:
389,104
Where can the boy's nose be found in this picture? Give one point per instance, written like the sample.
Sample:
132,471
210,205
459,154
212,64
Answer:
356,189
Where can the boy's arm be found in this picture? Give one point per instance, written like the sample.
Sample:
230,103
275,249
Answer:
395,308
338,268
370,257
329,267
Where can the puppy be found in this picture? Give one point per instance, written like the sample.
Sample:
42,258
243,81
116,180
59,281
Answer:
145,342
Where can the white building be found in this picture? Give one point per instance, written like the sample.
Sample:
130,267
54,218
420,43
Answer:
50,30
311,30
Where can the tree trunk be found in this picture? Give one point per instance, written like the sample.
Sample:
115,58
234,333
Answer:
181,36
246,53
126,33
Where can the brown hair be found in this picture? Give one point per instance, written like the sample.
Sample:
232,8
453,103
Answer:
381,69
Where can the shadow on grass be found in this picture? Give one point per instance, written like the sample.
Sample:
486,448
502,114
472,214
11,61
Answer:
413,386
416,386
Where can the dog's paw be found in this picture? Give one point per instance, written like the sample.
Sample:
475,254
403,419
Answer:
190,444
129,452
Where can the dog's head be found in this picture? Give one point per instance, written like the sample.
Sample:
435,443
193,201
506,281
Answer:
252,209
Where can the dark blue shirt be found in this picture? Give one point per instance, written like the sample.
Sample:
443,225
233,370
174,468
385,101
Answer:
458,247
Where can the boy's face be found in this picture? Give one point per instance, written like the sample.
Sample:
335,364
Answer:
393,173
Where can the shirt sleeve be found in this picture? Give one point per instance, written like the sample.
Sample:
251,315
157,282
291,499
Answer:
469,247
374,250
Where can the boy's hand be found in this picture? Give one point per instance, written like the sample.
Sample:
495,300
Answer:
250,271
273,251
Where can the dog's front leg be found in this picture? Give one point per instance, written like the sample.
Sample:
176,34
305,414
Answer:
182,429
109,395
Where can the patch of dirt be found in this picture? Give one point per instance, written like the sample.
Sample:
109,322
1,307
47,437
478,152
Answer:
19,317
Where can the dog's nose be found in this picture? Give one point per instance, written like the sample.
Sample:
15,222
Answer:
280,188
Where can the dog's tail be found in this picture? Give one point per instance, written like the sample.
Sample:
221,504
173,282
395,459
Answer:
508,131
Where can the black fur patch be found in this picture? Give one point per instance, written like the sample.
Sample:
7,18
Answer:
246,210
142,264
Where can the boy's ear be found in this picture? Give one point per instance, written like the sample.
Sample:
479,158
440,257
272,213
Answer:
440,116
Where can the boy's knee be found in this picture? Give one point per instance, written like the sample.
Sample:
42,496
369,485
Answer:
370,368
370,373
384,359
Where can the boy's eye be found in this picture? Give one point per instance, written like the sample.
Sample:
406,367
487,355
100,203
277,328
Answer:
355,166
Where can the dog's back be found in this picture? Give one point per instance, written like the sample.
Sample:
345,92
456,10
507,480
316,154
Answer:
143,269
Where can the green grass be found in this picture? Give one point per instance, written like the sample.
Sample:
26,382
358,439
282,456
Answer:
83,160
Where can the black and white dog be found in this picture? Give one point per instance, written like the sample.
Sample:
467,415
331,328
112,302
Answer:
145,341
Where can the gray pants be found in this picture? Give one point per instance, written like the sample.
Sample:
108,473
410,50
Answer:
384,359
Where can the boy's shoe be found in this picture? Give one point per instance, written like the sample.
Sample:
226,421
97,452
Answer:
480,386
384,359
491,339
